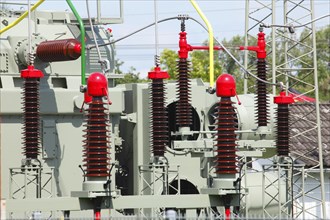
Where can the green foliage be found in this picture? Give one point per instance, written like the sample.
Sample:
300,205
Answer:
224,63
306,62
130,77
168,60
199,63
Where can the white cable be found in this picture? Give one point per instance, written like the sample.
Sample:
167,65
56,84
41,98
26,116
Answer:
94,37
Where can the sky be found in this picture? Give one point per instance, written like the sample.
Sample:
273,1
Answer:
226,17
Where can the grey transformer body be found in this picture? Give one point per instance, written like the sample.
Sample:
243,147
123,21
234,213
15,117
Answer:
184,179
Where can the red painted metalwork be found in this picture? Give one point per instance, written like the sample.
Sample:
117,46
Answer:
97,85
260,48
158,74
97,215
227,213
31,112
226,86
59,50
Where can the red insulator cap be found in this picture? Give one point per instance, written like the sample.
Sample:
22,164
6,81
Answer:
184,46
30,72
97,85
283,99
158,74
261,52
226,86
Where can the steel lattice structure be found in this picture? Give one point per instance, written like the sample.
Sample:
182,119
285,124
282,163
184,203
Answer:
296,66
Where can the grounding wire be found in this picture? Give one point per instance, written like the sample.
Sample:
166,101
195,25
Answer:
293,26
94,37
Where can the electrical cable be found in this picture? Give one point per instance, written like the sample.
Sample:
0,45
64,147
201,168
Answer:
211,42
238,63
94,37
18,20
293,26
30,60
89,47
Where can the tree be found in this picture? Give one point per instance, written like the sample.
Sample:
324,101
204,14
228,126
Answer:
224,63
130,77
199,63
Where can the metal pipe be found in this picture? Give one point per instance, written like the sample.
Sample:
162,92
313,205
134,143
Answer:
274,47
18,20
30,61
318,119
211,43
247,4
82,39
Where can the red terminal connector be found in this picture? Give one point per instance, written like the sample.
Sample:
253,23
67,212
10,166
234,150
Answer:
260,49
97,85
226,86
283,99
227,213
158,74
30,72
185,47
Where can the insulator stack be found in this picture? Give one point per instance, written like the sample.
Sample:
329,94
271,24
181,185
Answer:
96,148
59,50
31,114
159,117
283,125
226,160
97,137
183,107
262,101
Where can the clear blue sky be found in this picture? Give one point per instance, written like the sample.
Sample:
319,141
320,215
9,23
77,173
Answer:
226,16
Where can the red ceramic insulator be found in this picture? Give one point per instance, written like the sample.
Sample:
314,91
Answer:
31,115
159,118
226,159
59,50
96,143
183,107
262,99
31,112
283,125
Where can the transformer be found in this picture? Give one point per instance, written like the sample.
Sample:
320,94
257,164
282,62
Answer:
198,167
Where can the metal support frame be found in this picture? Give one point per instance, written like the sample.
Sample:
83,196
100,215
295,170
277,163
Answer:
30,183
154,177
294,186
23,179
287,70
